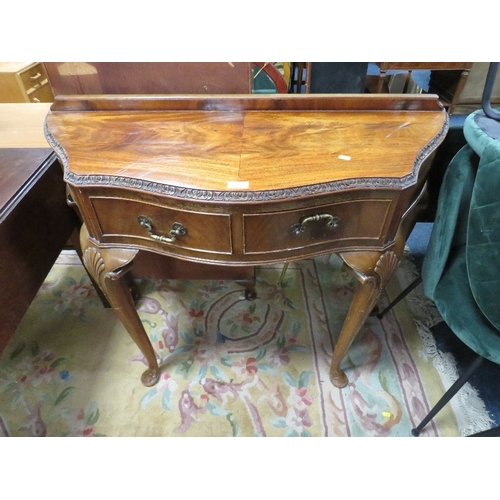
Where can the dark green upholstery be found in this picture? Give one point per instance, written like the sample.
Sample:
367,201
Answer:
450,224
461,269
483,236
457,306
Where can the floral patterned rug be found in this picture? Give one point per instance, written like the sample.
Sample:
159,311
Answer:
231,367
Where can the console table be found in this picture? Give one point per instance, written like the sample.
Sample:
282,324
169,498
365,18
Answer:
244,180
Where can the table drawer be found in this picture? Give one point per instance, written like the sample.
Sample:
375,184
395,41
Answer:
33,76
119,222
41,93
346,223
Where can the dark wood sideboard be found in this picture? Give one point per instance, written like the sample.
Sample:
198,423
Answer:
35,221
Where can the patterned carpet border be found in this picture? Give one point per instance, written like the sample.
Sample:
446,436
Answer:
231,367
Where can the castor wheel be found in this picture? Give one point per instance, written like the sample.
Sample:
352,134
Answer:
250,294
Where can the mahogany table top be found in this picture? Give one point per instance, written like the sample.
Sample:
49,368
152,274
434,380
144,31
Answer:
241,143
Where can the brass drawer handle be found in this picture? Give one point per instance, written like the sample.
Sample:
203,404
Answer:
331,223
35,77
177,230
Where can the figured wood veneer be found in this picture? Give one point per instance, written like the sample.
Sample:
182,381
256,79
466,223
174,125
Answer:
241,174
217,150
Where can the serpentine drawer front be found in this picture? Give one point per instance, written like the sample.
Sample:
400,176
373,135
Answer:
150,226
342,224
245,180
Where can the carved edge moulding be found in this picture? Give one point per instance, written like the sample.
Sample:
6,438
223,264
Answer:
89,103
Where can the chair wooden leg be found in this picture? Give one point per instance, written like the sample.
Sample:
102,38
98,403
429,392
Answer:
449,394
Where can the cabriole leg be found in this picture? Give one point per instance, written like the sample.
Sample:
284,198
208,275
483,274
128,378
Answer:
108,267
374,271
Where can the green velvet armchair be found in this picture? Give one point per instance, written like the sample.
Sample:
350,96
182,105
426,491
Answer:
460,269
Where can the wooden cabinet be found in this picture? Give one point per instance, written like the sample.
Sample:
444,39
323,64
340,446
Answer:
35,224
35,221
24,82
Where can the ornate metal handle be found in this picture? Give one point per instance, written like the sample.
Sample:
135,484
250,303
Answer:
177,230
331,222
